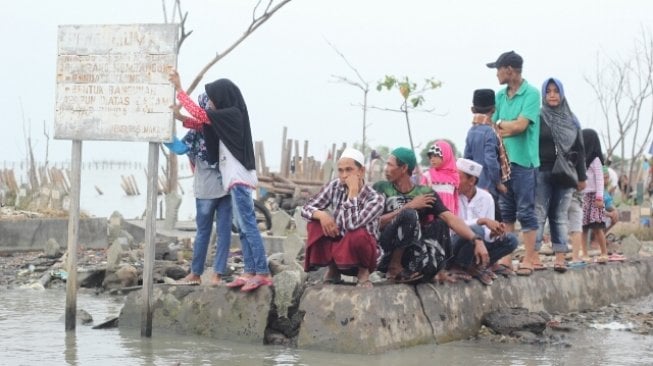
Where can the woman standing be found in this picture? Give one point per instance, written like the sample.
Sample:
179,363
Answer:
559,134
228,135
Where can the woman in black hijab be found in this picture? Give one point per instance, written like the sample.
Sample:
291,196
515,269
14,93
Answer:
228,138
559,134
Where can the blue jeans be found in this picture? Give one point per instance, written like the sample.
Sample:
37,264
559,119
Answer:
519,202
207,210
251,242
552,202
463,250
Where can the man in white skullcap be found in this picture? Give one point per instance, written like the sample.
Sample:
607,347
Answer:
476,208
344,238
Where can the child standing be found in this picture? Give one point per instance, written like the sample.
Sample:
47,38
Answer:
593,205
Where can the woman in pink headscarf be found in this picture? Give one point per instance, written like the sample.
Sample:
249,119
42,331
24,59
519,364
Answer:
442,176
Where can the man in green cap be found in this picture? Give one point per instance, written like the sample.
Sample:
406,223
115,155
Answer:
415,225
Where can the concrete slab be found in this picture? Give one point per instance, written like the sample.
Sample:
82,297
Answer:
33,234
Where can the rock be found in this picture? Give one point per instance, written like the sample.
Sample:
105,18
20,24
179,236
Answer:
125,276
287,286
130,239
110,323
114,255
128,276
277,339
115,226
350,319
525,336
90,277
291,247
123,242
300,223
84,317
280,223
175,272
510,320
276,263
216,312
172,203
631,246
52,249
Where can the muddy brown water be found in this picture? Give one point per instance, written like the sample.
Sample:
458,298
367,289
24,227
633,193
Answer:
32,329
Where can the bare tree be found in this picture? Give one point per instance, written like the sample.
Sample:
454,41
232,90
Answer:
258,18
361,84
624,90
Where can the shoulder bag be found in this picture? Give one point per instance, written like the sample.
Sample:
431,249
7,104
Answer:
564,168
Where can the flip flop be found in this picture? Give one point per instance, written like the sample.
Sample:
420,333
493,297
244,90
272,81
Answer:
238,282
539,267
602,259
480,274
524,271
183,282
560,267
460,275
577,265
406,276
616,258
256,282
503,270
365,284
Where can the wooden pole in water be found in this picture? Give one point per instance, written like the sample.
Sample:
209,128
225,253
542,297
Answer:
73,232
150,235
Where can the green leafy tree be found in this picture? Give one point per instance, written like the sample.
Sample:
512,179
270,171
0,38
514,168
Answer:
424,153
412,96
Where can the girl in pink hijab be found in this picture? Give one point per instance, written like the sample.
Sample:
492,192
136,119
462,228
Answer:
442,176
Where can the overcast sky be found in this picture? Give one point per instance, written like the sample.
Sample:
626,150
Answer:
285,69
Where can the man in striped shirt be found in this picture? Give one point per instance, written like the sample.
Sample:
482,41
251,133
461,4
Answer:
344,238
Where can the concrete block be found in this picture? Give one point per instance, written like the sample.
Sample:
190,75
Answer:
300,223
32,234
280,222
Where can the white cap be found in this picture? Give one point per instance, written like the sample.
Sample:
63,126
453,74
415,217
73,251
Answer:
354,154
469,166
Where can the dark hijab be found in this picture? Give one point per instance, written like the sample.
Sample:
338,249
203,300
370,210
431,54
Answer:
562,121
229,123
592,146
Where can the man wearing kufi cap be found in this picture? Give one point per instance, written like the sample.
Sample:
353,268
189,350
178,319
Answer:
343,223
415,224
517,116
477,210
483,145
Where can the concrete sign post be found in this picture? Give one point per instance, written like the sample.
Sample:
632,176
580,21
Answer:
112,84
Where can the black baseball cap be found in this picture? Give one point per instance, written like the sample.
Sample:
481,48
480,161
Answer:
510,58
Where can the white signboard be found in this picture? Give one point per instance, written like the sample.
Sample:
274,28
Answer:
112,82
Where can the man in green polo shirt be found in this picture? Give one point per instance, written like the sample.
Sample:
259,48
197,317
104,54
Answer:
518,117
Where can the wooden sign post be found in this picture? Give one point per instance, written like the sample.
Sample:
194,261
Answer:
112,84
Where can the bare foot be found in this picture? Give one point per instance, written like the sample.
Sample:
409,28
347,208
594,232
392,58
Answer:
444,277
216,280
